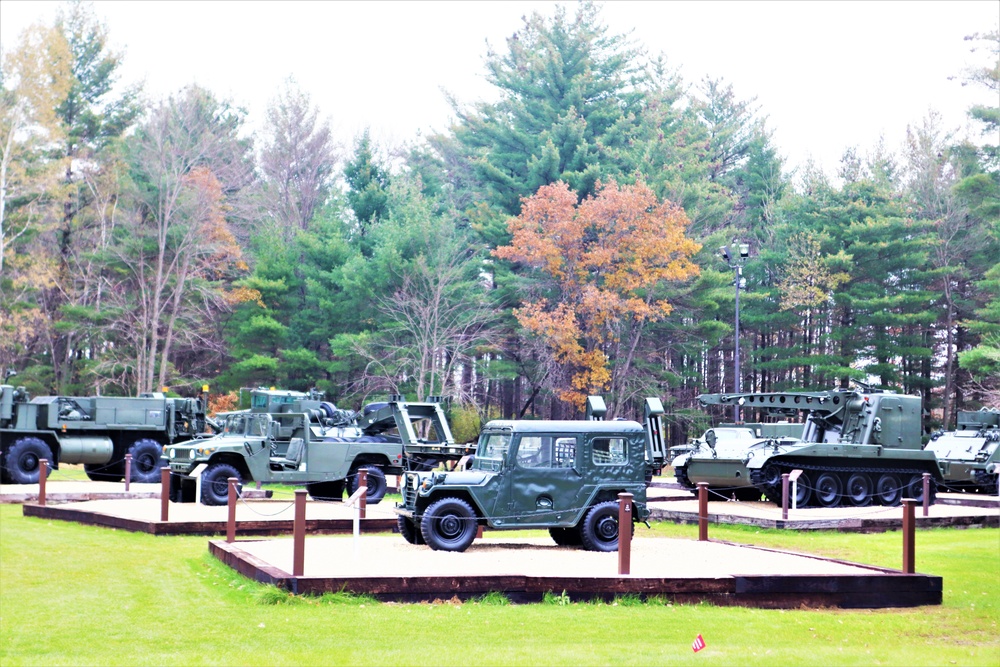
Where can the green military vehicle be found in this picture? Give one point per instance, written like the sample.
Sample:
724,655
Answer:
97,431
321,450
858,447
970,456
727,442
560,475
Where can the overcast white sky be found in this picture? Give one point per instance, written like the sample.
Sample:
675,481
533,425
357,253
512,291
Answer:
829,75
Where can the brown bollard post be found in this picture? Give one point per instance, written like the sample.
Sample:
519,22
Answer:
128,470
231,523
784,496
164,493
363,500
927,492
703,511
909,543
624,533
299,534
43,473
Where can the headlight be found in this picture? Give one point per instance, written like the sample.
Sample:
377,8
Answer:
173,452
191,453
413,481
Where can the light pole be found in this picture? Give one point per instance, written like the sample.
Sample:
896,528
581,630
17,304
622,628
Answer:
736,255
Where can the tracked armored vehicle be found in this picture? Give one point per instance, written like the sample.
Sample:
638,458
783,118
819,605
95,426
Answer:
722,450
857,447
970,456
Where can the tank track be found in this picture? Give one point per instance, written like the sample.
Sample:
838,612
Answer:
987,483
773,492
680,474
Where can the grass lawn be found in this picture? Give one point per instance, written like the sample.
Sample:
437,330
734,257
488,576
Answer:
83,595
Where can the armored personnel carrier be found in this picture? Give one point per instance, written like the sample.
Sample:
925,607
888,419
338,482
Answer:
970,456
858,446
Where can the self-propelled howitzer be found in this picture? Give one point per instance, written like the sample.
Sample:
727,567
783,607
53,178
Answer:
858,447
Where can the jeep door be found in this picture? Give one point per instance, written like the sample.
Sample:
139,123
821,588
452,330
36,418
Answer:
544,485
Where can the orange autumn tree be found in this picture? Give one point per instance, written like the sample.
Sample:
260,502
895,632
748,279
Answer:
602,265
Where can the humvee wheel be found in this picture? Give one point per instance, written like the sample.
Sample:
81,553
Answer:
22,460
329,491
566,537
408,529
377,485
859,489
888,489
145,461
828,489
449,524
215,483
599,530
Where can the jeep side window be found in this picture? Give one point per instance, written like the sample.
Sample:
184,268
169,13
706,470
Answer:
565,453
535,451
491,451
609,451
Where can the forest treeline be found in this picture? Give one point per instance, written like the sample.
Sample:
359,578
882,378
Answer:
559,241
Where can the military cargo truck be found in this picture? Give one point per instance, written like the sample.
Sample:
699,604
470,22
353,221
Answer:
560,475
969,457
97,431
323,453
858,446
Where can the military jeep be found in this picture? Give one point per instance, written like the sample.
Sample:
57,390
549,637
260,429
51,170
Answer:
560,475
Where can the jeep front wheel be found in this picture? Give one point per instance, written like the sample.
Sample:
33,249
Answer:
599,530
449,524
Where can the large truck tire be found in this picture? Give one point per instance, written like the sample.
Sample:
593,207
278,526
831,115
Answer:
22,460
449,524
215,483
377,485
145,461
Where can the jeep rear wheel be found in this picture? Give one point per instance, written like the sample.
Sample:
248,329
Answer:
599,530
449,524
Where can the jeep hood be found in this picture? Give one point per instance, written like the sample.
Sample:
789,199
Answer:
467,477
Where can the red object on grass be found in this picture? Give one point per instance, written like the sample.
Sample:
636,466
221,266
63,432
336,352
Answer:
697,644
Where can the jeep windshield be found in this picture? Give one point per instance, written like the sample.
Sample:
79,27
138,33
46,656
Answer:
491,451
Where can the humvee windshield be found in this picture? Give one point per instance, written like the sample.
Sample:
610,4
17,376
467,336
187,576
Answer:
491,451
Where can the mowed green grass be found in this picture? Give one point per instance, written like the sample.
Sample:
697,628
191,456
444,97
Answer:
80,595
